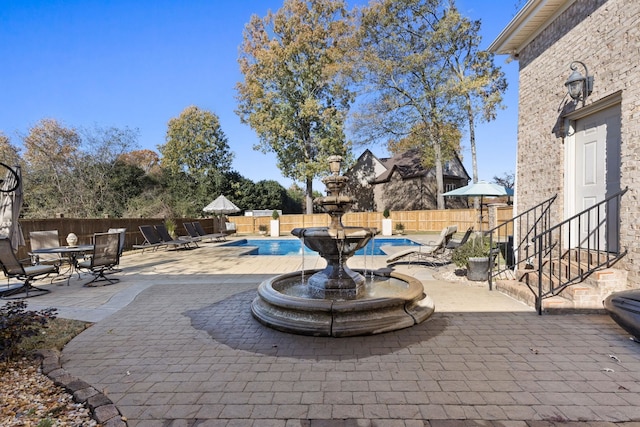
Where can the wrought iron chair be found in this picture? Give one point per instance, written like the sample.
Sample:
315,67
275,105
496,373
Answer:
14,269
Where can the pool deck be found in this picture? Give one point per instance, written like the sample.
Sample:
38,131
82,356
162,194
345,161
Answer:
174,344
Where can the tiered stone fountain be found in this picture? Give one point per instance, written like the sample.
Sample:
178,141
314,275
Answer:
338,301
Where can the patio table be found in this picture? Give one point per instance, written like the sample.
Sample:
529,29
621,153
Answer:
70,252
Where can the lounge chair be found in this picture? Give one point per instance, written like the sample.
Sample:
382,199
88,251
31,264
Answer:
182,241
151,238
229,228
14,269
453,244
218,237
431,252
105,256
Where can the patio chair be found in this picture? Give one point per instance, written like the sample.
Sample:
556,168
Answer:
151,238
432,253
217,237
453,244
122,234
44,240
105,256
182,242
14,269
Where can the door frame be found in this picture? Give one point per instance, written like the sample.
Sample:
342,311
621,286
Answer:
569,121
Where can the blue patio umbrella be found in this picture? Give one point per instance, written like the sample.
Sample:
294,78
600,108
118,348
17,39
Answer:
480,189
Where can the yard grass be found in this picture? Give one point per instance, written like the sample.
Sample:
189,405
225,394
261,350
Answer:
55,335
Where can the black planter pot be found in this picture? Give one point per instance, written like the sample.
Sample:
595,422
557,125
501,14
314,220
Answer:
478,269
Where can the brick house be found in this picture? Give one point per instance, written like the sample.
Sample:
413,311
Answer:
583,150
401,182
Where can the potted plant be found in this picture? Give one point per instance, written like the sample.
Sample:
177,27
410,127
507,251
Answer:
386,223
399,228
275,223
262,229
474,256
171,227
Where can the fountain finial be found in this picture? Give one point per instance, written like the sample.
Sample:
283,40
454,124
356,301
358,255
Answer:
334,164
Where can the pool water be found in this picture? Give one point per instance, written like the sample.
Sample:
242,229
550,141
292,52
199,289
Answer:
294,246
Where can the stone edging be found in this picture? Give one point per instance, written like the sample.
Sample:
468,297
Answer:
101,407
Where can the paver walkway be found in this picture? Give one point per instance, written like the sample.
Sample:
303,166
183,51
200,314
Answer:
181,349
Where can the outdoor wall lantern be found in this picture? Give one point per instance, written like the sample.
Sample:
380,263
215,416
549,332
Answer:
579,86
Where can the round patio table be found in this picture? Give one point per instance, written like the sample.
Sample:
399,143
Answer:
71,252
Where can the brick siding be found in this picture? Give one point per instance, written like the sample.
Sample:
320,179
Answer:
605,35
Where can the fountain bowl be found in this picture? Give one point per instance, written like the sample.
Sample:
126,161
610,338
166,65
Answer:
401,307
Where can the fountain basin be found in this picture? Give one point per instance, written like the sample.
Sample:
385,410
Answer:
390,302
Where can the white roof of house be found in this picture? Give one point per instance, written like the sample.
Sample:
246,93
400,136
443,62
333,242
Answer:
534,17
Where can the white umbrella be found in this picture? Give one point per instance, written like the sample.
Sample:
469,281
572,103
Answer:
221,206
10,206
480,189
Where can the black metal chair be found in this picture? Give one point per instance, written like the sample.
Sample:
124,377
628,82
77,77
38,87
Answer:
14,269
106,255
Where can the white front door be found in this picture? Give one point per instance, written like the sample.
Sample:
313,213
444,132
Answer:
597,175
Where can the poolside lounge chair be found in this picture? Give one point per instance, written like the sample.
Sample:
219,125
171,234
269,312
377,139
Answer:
229,228
431,252
151,238
453,244
181,242
105,256
14,269
218,237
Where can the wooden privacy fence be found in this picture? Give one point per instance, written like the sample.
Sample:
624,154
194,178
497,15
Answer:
413,221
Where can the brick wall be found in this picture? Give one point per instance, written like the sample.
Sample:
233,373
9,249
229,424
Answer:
605,35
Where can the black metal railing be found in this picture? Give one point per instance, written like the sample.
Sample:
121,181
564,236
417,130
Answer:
570,251
523,227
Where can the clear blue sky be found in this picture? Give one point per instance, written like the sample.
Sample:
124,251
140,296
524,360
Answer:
137,64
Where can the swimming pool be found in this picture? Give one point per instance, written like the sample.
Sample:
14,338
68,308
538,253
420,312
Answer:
294,246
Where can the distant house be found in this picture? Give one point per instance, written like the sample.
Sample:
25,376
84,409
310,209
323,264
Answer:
401,182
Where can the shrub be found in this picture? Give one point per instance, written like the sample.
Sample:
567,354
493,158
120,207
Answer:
275,214
262,227
17,323
386,213
399,226
474,247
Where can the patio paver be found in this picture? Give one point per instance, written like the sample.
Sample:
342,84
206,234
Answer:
174,344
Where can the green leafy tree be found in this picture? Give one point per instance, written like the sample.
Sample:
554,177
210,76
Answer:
196,152
411,90
195,144
293,95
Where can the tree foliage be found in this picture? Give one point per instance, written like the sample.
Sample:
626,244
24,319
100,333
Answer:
413,97
292,94
70,171
195,144
9,153
480,83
